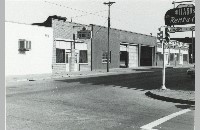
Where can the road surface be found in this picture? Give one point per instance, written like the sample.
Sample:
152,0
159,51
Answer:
113,102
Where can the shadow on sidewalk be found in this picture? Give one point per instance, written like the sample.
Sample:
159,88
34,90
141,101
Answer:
176,79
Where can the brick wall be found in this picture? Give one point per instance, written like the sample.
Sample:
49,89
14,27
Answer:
65,30
99,44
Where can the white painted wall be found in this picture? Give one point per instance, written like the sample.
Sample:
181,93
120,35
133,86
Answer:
36,61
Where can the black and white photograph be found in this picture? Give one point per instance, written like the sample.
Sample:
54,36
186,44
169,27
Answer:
100,65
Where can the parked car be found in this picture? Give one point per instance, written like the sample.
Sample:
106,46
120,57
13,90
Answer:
191,72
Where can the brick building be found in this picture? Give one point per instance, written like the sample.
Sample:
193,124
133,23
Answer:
71,52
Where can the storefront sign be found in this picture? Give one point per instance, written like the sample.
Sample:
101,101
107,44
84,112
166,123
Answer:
182,29
180,16
84,34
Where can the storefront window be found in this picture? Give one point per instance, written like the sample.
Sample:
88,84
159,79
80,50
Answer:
185,57
83,56
60,55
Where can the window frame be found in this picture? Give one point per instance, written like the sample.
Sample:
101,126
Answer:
64,54
81,58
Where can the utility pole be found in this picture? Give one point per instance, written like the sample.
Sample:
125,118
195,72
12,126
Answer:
192,49
108,53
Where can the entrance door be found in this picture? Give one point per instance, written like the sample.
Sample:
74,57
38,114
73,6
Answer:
123,59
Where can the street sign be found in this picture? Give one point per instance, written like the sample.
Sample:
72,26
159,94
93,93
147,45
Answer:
182,29
180,16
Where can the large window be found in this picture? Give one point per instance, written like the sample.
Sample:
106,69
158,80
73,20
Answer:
60,55
185,57
104,57
83,56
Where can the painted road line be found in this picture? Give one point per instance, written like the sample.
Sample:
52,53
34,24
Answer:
162,120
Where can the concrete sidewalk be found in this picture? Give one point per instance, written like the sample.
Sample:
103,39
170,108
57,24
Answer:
35,77
175,96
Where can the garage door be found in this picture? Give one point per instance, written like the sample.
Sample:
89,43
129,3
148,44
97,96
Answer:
146,56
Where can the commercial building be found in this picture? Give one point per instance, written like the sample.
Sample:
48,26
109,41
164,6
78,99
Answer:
60,46
176,54
74,50
28,49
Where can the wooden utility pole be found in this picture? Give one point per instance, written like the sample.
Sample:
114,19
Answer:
108,53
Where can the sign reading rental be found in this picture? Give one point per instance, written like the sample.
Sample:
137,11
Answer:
180,16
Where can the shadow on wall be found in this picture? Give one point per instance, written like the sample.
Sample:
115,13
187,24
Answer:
176,79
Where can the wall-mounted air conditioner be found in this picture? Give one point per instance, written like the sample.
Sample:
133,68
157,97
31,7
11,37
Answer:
24,45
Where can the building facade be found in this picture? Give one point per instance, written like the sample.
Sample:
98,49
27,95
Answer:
60,46
28,49
176,54
72,52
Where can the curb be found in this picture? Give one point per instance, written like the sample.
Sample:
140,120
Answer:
168,99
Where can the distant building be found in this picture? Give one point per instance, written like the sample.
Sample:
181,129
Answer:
176,54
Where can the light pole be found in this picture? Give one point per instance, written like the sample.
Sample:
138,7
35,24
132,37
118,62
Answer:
163,87
108,53
163,77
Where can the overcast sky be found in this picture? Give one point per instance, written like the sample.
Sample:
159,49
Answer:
141,16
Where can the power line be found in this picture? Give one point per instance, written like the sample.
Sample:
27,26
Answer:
74,9
88,14
100,28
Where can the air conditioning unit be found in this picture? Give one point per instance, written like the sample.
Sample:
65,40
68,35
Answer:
24,45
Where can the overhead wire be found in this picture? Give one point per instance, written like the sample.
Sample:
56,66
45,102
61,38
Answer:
74,9
100,28
87,13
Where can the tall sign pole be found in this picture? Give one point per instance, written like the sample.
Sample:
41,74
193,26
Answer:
163,80
167,39
108,53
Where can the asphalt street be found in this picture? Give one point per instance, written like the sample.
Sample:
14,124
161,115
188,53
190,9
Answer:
113,102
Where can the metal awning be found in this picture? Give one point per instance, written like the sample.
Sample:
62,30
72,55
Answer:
68,40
